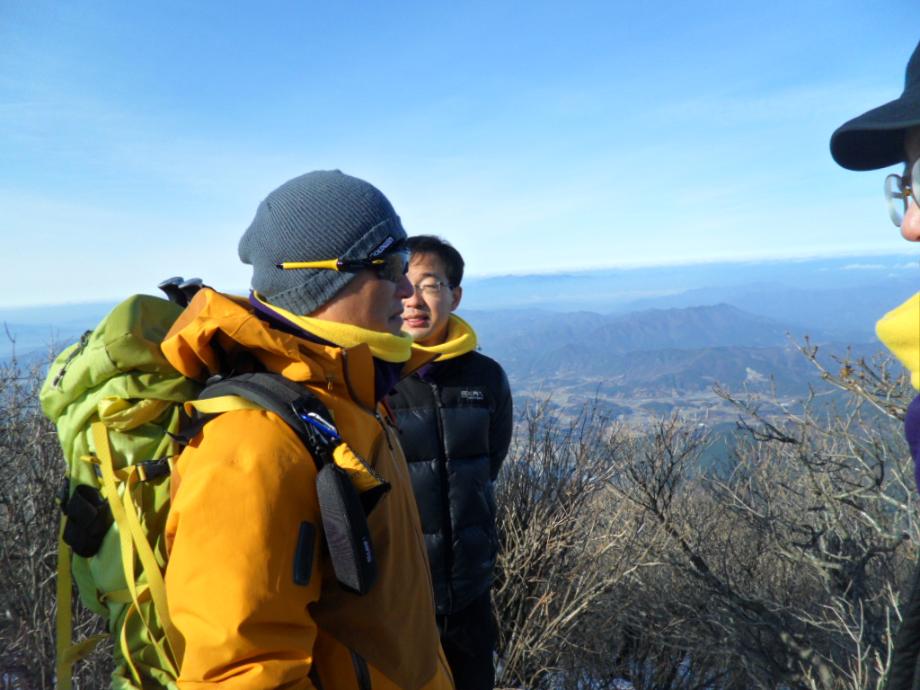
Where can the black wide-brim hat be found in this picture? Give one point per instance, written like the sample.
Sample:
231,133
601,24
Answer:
876,139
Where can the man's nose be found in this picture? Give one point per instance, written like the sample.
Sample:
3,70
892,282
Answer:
404,289
910,226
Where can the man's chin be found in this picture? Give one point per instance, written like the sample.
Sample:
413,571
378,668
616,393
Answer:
416,333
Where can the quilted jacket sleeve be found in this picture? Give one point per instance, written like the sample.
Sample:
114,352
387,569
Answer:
500,426
245,487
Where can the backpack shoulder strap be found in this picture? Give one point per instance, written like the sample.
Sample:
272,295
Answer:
300,409
343,511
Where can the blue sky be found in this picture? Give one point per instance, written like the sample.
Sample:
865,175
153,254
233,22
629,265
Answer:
136,140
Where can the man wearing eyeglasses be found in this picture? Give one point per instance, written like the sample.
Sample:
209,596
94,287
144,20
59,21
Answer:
890,135
455,418
250,580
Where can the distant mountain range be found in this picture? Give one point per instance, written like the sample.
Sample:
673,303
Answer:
637,341
842,296
656,337
513,334
846,312
662,352
34,332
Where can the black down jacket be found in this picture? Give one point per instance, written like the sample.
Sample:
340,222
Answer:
455,422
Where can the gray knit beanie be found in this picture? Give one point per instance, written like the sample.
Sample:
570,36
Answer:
324,214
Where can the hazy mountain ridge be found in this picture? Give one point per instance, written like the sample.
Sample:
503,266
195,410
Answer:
640,339
33,332
638,384
82,313
652,361
631,289
848,312
589,342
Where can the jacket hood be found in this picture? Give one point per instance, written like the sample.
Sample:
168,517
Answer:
395,349
218,333
461,338
899,330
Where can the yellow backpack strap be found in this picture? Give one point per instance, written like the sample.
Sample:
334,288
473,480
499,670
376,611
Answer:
134,541
223,403
64,622
75,652
67,653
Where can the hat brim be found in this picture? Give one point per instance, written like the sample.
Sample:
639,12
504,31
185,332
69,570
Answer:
876,139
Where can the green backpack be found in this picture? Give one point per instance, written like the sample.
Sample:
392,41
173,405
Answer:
115,401
122,412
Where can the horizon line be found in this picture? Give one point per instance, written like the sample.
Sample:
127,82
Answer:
624,265
711,260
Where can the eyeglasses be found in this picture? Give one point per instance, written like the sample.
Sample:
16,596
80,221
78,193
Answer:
899,190
432,288
391,266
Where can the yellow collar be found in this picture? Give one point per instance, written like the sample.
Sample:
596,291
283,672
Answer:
899,330
461,338
384,346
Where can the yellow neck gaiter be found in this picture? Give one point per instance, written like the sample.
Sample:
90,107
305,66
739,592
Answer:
384,346
461,338
899,330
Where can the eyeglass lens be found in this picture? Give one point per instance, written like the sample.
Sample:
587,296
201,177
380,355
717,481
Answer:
395,265
897,195
429,288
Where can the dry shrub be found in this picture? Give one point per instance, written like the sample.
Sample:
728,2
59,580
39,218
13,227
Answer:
31,471
565,550
625,565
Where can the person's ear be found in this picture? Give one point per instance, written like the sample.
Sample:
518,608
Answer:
456,294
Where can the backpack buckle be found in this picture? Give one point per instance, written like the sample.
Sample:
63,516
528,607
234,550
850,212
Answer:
320,432
151,470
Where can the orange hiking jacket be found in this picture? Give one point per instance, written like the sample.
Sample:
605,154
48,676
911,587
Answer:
242,489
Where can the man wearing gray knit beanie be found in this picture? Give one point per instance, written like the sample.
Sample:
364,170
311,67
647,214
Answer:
250,582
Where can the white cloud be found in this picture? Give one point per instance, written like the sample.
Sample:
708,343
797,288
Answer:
864,267
909,266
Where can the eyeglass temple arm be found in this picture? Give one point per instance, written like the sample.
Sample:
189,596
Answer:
329,264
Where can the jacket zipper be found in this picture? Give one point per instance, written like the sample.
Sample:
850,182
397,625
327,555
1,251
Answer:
313,675
362,673
445,493
84,339
419,536
357,400
369,411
